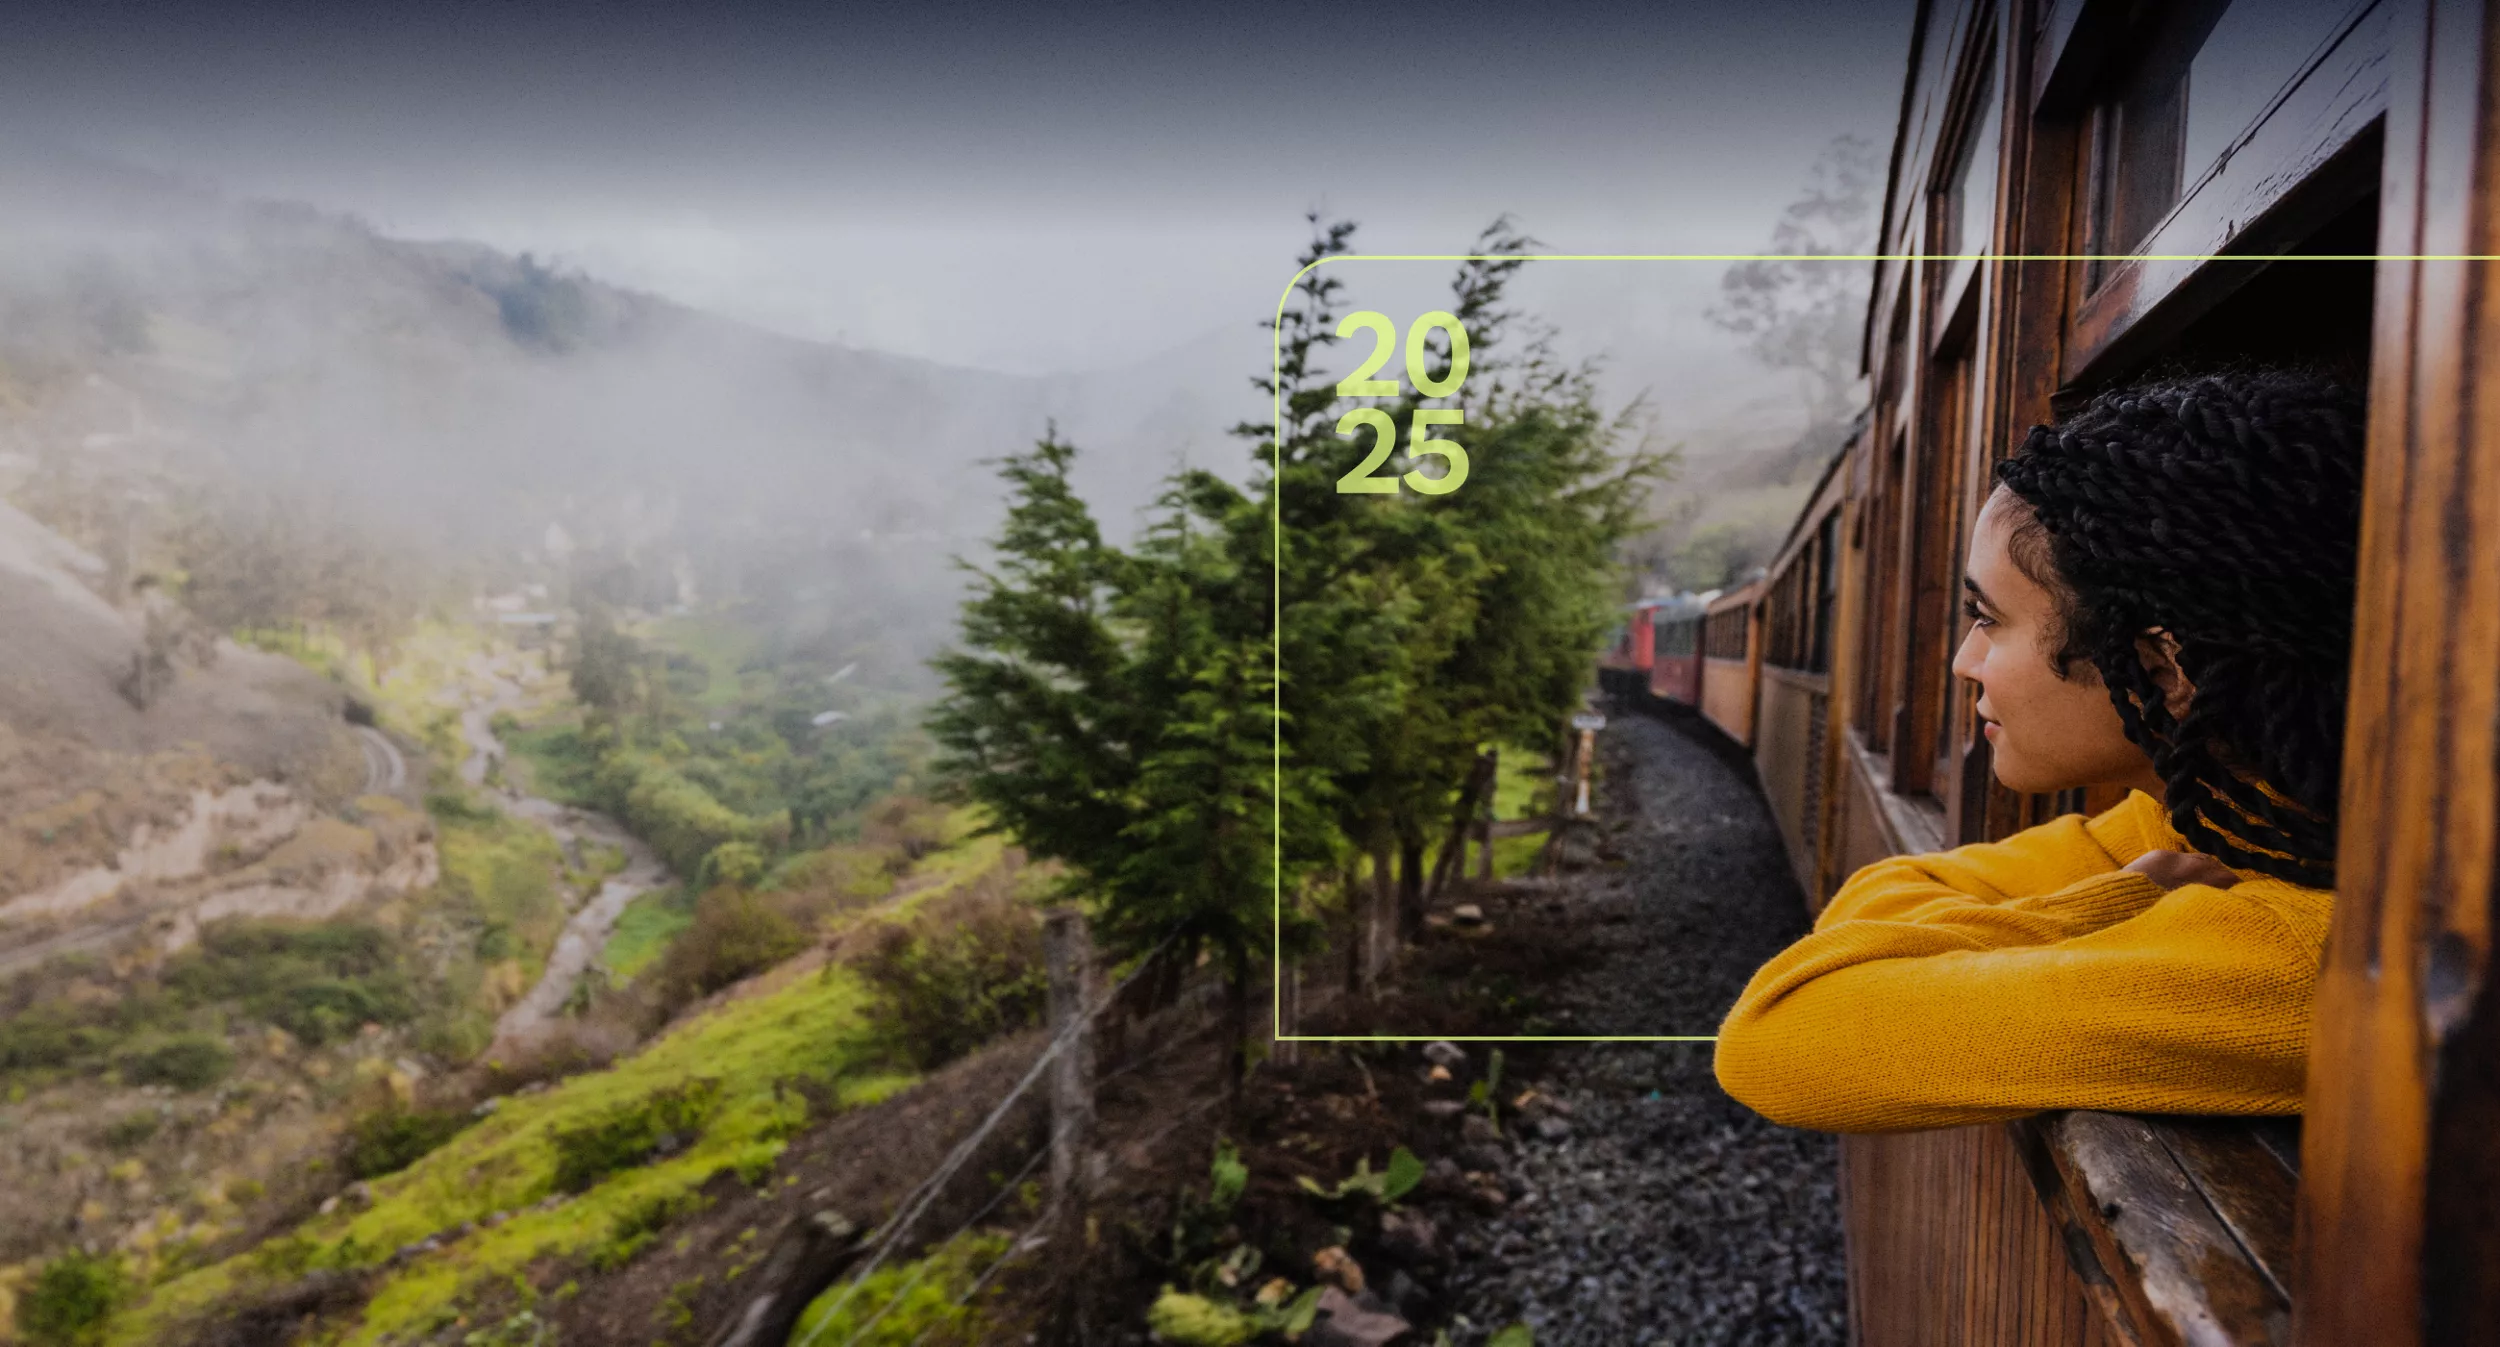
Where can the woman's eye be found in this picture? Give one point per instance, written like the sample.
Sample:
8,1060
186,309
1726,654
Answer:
1971,610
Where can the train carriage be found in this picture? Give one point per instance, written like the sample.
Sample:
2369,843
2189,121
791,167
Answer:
1624,668
1793,752
2081,190
1675,651
1730,653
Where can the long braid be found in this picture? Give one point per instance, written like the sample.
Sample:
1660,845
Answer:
2225,511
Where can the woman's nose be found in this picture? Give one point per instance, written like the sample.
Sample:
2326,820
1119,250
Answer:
1967,657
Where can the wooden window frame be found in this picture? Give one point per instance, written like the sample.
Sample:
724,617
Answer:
2306,158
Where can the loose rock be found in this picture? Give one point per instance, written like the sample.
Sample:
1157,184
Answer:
1676,1215
1349,1321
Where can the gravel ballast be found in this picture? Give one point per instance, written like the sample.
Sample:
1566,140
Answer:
1649,1208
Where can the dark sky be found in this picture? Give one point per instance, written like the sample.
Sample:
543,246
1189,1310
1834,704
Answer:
1031,188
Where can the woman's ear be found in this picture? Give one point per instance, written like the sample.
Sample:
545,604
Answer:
2160,652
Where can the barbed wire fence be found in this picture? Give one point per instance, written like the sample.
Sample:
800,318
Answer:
925,1194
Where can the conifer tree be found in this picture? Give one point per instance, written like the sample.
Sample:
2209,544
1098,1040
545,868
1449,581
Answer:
1275,680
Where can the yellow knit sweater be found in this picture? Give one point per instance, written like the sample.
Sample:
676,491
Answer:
2004,978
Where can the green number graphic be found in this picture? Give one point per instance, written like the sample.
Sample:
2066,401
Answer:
1361,384
1418,371
1360,482
1456,473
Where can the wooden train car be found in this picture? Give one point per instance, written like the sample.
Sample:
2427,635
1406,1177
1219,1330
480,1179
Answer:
1675,651
1623,669
1731,650
2059,167
1793,751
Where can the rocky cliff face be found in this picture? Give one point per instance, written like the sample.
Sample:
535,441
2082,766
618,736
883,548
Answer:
238,788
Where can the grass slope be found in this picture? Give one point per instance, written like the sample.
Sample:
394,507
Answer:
810,1034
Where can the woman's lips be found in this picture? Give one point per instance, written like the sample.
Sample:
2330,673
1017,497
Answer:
1989,728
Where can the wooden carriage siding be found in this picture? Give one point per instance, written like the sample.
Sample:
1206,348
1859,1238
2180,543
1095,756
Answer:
1675,652
2208,127
1731,654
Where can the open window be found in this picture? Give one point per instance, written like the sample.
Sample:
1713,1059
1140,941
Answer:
2199,77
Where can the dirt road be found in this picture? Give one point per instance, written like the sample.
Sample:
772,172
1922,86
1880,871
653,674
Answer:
578,830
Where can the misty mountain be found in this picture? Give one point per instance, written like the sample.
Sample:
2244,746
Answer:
163,347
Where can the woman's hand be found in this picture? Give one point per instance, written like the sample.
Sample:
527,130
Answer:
2170,869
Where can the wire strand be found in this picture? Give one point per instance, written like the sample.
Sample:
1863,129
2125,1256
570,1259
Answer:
921,1273
1021,1244
919,1199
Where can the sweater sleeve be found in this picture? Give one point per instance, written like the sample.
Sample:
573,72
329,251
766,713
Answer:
2033,862
1922,1004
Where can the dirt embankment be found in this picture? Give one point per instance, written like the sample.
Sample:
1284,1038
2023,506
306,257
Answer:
1603,1193
234,786
1613,1196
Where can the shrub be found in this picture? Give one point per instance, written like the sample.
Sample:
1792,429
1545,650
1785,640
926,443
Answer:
735,935
455,1033
640,1224
909,824
322,1009
902,1304
835,878
191,1062
666,1121
391,1139
456,807
565,1047
965,970
735,863
43,1037
318,981
71,1300
132,1129
681,820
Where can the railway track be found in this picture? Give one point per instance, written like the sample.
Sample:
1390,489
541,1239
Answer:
1664,1211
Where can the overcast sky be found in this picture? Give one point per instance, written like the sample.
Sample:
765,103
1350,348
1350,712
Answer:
1025,188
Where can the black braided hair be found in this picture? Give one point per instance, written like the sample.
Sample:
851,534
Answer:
2223,509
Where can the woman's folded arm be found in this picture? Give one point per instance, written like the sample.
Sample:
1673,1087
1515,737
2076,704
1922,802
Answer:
2035,861
1959,1008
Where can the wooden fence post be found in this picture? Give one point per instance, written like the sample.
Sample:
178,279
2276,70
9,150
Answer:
1379,908
1068,951
1479,787
1484,826
1288,1012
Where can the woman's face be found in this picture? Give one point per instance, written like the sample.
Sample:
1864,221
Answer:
2046,732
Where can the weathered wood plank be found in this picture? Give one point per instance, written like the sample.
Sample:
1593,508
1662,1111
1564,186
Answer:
2175,1263
2245,1183
1950,1243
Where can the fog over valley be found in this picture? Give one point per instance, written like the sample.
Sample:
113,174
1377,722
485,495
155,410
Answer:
577,587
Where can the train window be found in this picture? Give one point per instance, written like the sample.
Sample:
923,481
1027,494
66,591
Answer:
1677,640
2137,146
1969,206
1925,719
1826,593
2201,75
2255,50
1726,639
1883,555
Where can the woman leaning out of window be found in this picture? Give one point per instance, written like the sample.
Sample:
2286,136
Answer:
2160,590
